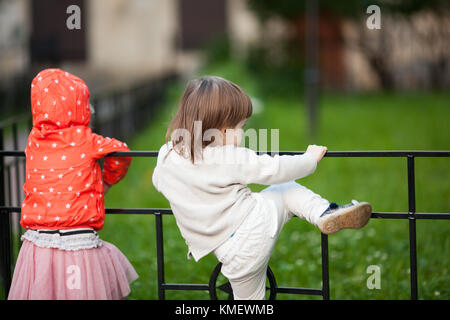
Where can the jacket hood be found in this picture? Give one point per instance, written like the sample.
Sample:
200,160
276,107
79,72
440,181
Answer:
59,100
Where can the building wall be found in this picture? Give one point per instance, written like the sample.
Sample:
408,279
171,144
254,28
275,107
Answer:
132,38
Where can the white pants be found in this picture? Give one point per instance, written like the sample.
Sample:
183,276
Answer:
246,254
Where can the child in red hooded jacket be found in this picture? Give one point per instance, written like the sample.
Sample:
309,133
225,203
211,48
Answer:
62,256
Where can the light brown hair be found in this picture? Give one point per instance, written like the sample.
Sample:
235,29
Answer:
216,102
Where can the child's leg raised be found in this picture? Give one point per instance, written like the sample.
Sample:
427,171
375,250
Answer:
294,199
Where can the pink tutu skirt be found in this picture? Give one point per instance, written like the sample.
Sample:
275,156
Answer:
102,273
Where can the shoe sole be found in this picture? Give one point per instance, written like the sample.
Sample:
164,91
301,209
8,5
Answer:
354,217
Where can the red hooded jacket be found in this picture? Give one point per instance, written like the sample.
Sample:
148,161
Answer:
64,182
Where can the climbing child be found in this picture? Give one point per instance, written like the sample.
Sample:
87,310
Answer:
204,174
62,256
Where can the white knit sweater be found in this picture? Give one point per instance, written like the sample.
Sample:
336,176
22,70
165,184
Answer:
210,198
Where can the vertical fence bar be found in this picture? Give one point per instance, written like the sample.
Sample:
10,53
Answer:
412,227
5,229
16,161
18,184
8,199
160,255
325,268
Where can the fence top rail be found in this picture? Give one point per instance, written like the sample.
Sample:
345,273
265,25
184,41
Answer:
377,153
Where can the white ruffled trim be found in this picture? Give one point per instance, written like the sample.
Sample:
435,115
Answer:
69,242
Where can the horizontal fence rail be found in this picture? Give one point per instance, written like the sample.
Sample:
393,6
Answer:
411,216
338,154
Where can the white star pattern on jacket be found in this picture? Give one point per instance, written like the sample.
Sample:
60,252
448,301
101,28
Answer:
62,172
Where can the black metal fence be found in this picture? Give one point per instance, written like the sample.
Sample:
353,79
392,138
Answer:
163,286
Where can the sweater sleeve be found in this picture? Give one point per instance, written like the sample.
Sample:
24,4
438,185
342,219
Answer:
265,169
114,168
161,154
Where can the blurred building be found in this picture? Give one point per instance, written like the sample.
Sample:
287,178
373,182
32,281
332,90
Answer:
118,38
119,41
123,41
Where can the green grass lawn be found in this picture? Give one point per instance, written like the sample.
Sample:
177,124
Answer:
383,121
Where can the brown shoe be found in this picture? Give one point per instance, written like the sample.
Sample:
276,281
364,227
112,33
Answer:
354,215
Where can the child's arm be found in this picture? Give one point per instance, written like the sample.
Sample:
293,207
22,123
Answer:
114,168
264,169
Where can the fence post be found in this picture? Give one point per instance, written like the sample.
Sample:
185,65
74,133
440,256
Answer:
160,256
18,183
325,268
412,227
5,229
